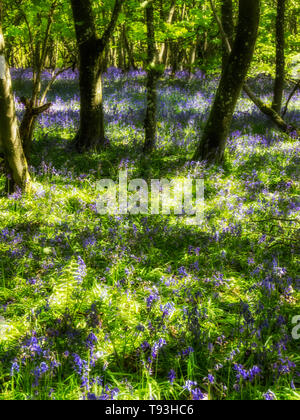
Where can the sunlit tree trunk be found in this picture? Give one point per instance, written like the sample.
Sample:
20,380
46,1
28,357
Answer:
228,26
280,56
10,140
213,142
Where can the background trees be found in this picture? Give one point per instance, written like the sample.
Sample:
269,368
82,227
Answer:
280,55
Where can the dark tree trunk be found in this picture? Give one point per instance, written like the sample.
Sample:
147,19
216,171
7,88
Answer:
213,142
280,56
228,26
155,66
151,114
264,108
91,48
91,130
10,141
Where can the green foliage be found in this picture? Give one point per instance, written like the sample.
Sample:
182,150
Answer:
193,26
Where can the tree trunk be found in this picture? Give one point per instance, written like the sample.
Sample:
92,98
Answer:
280,56
9,131
91,133
151,114
213,142
228,26
39,53
131,62
28,123
269,112
91,130
264,108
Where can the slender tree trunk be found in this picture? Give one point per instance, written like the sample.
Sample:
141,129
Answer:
228,26
213,142
280,56
91,133
151,114
9,131
164,49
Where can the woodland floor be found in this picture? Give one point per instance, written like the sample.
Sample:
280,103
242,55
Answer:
142,307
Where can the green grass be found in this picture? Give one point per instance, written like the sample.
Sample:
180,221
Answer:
233,303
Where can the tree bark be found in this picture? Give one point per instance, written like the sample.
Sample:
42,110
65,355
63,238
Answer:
213,142
269,111
280,56
91,134
131,62
228,26
9,131
151,114
28,122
